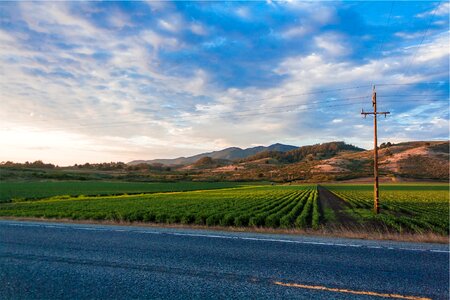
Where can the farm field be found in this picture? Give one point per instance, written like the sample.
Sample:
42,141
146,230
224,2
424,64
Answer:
26,190
268,206
404,207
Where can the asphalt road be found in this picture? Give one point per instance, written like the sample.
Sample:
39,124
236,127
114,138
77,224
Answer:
73,261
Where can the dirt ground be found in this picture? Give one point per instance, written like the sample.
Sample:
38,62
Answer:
328,200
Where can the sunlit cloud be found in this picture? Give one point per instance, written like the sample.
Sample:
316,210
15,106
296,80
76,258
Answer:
97,81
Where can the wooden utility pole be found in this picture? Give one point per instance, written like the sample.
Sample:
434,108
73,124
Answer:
376,207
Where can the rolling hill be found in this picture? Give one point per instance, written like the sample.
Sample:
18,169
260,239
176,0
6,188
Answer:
335,161
232,153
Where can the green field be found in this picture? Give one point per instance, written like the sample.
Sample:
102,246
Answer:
404,207
409,208
281,206
26,190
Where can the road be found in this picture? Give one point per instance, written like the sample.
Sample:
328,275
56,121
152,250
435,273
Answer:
75,261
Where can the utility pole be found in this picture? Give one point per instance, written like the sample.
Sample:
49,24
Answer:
376,207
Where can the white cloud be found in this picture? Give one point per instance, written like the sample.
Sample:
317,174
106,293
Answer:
333,43
56,18
132,106
172,23
437,49
316,68
318,13
159,6
295,31
157,40
168,26
441,10
75,105
5,37
408,35
243,12
119,20
198,29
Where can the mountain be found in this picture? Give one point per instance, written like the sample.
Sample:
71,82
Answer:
419,160
318,151
208,162
232,153
334,161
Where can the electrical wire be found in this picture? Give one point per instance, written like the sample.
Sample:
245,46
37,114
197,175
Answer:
309,93
231,115
202,117
284,107
408,68
413,83
385,30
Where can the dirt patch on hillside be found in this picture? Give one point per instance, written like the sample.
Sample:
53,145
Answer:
391,162
326,168
420,162
230,168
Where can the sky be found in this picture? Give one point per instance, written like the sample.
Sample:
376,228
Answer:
118,81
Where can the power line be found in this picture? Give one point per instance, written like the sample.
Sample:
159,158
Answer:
279,107
309,103
270,107
418,95
284,109
234,115
305,94
414,83
308,93
267,98
423,38
203,117
414,100
384,33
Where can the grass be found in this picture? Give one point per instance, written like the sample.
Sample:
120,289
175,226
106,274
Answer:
29,190
224,207
412,208
406,209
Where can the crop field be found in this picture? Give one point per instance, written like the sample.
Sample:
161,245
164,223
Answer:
404,207
26,190
262,206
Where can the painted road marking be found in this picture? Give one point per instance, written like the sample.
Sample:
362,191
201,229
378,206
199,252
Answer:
145,231
336,290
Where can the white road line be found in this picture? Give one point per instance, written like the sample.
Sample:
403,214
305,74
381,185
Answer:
225,237
439,251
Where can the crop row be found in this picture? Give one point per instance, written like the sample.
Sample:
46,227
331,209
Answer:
264,206
402,210
25,190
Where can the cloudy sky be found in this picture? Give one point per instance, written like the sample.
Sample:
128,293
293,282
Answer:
117,81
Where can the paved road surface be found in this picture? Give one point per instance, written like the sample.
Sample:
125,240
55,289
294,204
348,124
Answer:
73,261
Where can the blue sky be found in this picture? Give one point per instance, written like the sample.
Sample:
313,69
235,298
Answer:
117,81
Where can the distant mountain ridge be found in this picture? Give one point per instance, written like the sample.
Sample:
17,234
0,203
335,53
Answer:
231,153
323,150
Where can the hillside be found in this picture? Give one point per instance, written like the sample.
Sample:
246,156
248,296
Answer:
232,153
339,161
318,151
335,161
